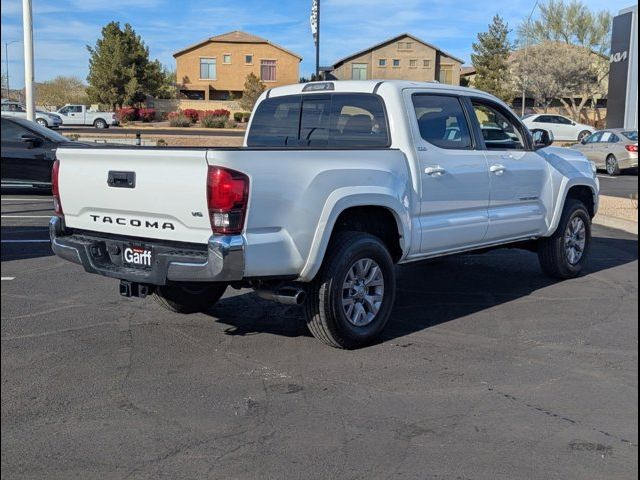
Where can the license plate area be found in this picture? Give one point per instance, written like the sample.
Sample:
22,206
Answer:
137,256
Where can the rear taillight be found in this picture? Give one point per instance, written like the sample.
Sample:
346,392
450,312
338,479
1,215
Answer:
631,148
55,190
227,195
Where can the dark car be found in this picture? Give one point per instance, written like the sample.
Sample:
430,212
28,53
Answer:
28,151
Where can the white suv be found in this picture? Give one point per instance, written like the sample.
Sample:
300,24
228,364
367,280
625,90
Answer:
563,128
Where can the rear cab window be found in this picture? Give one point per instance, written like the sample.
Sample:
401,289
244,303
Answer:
336,120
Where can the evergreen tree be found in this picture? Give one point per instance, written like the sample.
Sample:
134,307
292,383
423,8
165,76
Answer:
120,72
253,88
491,60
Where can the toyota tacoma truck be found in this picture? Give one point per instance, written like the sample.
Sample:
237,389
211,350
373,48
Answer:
335,184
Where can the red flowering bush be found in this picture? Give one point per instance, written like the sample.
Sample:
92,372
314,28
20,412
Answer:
192,114
147,114
127,114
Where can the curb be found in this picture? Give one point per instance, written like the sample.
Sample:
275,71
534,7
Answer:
618,223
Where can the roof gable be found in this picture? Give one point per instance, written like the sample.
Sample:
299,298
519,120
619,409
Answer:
391,40
236,36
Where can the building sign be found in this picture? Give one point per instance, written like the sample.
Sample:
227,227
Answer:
617,98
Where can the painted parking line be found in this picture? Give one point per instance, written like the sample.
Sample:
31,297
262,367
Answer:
27,241
8,279
40,200
25,216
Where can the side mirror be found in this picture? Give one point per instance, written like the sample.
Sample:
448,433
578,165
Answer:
573,124
541,138
31,140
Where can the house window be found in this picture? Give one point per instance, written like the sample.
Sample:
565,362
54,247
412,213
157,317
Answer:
413,63
248,59
396,62
446,74
426,64
226,58
268,70
382,62
359,71
208,68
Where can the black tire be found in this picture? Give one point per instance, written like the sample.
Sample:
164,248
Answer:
324,311
583,134
100,123
189,298
612,166
553,251
42,122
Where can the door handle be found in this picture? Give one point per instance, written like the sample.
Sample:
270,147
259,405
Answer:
497,168
435,171
507,157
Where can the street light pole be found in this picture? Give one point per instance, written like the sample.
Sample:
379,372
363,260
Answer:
6,62
27,24
526,47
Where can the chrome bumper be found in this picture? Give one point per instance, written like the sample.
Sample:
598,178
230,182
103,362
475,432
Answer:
222,261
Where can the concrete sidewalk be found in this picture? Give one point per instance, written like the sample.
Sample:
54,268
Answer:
620,213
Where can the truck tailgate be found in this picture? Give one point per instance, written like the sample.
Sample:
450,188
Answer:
168,200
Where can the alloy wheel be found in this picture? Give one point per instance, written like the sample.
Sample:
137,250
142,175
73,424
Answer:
362,292
575,239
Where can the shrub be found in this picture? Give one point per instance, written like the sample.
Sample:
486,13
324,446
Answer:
221,112
246,116
228,123
192,114
127,114
179,119
161,142
237,116
147,114
208,120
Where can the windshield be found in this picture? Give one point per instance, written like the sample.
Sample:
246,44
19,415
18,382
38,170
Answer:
631,135
48,133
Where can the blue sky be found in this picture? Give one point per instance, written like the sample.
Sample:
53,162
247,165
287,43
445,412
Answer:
62,28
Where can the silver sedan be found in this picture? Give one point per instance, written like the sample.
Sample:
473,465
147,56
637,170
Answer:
613,149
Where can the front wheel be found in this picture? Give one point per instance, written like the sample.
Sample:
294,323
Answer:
563,254
350,300
42,122
613,168
189,298
99,123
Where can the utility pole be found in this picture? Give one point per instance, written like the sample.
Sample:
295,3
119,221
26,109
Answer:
27,25
526,48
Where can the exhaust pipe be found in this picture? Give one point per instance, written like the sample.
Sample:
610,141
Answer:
284,295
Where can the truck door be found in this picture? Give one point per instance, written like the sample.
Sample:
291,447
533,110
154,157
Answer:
72,115
453,174
518,174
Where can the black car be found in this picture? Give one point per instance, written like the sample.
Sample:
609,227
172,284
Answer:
28,151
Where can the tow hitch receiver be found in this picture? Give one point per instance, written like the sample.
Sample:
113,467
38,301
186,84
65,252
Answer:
133,289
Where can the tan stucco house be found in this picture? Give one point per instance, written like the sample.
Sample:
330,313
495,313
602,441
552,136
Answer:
404,57
216,68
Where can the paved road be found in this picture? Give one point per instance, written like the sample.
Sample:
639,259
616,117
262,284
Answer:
488,370
623,186
152,131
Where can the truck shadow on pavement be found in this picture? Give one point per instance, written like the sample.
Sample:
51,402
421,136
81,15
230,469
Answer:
24,242
431,293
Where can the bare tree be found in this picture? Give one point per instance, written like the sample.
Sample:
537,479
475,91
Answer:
61,90
555,70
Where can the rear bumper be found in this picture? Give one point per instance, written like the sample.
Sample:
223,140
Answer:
221,260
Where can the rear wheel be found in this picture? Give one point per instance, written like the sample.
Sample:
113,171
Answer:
189,298
351,298
612,166
100,123
42,122
563,254
583,134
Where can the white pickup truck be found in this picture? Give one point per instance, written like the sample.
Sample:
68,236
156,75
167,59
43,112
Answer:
336,183
82,115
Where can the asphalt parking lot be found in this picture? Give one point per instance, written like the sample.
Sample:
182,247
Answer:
622,186
487,370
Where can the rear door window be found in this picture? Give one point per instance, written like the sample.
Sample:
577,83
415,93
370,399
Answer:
327,120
